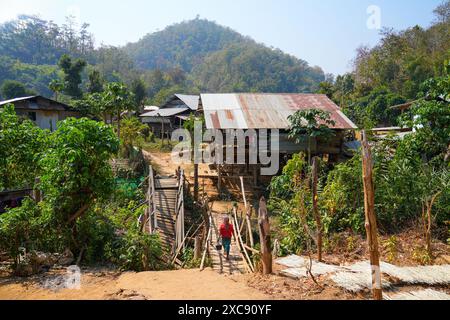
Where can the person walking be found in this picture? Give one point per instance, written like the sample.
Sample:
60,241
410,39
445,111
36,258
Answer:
226,233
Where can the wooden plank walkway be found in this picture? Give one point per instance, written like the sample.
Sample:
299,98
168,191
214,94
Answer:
165,200
235,265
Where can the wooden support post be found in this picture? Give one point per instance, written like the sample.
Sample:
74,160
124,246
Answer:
264,235
371,219
202,264
196,182
197,248
162,131
315,169
219,179
255,175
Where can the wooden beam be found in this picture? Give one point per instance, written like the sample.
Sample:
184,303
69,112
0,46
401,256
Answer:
241,242
315,169
371,219
219,179
197,248
202,264
241,250
196,186
264,234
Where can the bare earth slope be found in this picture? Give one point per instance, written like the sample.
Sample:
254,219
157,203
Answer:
163,285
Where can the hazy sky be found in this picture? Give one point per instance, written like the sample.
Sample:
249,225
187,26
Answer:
323,32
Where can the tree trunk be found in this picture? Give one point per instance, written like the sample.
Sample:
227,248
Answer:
371,219
316,209
264,235
118,124
309,149
79,213
429,222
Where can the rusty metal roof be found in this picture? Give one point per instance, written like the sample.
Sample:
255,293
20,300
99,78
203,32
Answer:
265,110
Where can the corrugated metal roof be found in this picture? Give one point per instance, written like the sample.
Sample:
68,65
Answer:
168,112
189,100
52,104
16,99
265,111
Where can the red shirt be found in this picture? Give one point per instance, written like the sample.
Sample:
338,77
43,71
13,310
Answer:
226,231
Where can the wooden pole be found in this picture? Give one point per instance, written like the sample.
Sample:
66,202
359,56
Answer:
371,219
264,235
315,169
197,248
255,175
196,182
202,264
247,214
118,124
219,179
162,131
244,255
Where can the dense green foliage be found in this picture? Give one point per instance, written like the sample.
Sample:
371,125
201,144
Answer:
11,89
408,172
252,67
75,168
84,208
182,45
36,41
21,143
312,124
35,77
430,116
392,72
186,57
132,134
72,75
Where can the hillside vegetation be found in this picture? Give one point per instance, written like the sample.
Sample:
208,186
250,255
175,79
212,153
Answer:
192,56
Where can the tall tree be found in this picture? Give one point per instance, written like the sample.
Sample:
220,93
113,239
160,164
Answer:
139,91
311,123
72,75
117,98
96,82
14,89
56,86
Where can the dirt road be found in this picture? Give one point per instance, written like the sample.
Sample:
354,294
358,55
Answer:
163,285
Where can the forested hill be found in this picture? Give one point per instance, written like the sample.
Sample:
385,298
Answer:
220,59
183,45
192,56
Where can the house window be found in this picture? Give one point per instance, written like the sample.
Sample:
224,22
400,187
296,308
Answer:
32,116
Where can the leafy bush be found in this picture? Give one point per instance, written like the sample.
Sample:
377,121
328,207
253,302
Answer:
131,135
290,199
19,228
75,168
21,143
137,251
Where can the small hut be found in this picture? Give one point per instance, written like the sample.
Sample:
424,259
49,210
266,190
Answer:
171,115
271,111
42,111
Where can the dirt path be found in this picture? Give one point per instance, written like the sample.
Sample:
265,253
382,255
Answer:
163,285
163,163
